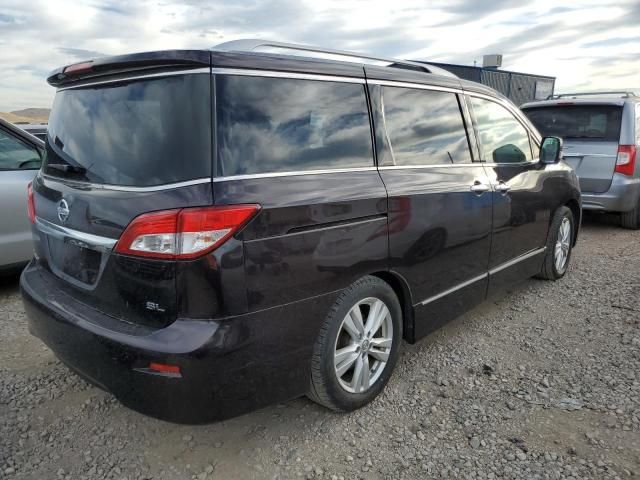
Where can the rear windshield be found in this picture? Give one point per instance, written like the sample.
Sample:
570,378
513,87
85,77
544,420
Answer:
597,122
134,133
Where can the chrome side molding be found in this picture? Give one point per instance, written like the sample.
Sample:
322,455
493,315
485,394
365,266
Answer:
455,288
493,271
517,260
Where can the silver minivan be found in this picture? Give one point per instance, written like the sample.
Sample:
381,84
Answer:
601,132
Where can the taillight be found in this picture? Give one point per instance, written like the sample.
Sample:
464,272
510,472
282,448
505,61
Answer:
183,233
31,204
626,160
164,368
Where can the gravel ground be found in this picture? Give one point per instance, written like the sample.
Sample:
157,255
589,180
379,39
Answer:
543,382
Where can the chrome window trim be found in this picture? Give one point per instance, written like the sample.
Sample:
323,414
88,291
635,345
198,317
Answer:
435,165
292,173
455,288
420,86
280,74
137,77
514,261
125,188
518,164
95,242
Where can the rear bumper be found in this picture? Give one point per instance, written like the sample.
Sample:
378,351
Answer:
228,366
622,196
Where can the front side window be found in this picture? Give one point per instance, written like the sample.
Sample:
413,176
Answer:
503,138
267,125
16,155
425,127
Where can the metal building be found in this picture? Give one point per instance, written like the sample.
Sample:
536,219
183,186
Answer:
518,87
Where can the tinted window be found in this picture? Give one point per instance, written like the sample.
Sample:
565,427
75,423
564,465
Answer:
16,155
139,133
504,139
596,122
278,125
425,127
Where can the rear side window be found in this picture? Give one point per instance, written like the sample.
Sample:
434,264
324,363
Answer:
591,122
267,125
16,155
503,138
135,133
425,127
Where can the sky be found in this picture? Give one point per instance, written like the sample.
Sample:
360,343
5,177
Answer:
586,44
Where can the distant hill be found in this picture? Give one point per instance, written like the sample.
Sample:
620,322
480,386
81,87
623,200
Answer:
27,115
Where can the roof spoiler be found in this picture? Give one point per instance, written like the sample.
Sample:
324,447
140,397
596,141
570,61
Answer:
128,63
299,50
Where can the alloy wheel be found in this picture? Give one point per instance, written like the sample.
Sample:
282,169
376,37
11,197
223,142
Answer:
563,245
363,345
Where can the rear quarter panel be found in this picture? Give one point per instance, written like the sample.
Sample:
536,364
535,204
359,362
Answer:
315,234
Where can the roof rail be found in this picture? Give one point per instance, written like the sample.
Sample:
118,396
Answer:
268,46
584,94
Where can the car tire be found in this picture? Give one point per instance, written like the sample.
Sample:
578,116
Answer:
345,346
559,245
631,219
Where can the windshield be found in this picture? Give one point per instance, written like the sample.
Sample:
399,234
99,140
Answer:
135,133
597,122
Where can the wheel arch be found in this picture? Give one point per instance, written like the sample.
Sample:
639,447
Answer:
574,206
403,292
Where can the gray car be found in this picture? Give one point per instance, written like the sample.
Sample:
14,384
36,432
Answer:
601,133
20,158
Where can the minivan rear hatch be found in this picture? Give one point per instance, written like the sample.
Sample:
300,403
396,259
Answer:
117,148
591,134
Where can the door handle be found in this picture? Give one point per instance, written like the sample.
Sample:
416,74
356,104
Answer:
502,187
479,187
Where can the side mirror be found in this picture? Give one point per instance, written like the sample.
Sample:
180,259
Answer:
551,150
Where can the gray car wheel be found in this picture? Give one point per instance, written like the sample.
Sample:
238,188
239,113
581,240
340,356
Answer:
631,219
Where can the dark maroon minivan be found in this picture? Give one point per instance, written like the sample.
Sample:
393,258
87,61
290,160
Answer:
217,230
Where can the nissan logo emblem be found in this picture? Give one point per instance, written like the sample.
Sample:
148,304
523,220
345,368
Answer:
63,210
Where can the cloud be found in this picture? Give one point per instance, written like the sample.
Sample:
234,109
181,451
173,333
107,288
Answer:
611,42
464,11
584,44
80,53
7,19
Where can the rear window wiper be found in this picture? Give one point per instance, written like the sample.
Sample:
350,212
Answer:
65,167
